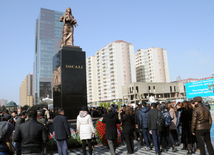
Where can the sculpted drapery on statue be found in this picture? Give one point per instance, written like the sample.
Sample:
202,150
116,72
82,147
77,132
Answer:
68,29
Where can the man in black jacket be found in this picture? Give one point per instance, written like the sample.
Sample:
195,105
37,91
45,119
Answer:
111,121
32,135
152,126
19,120
137,122
62,132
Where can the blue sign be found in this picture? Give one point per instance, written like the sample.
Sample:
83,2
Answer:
200,88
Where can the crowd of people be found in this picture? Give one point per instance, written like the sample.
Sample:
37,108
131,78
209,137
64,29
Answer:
23,132
158,126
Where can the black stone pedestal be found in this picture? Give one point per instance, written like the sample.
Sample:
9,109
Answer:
69,81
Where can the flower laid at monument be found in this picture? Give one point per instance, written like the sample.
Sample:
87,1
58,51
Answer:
100,132
73,141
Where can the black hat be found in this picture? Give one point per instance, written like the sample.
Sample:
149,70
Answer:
162,107
197,99
84,108
6,130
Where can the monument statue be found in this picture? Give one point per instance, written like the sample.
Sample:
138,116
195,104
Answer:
68,29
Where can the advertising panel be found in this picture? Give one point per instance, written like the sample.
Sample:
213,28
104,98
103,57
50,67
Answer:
202,88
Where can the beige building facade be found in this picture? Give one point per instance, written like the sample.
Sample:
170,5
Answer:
157,91
26,91
152,65
91,74
115,67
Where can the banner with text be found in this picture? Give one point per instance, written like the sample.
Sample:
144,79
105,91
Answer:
200,88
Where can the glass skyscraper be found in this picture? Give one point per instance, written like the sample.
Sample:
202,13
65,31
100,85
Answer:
47,43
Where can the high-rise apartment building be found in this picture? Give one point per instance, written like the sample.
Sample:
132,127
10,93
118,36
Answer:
152,65
47,43
26,91
115,67
3,102
91,74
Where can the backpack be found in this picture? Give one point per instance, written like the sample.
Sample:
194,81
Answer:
160,122
168,120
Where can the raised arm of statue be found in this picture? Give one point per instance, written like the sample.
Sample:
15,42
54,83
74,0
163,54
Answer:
61,18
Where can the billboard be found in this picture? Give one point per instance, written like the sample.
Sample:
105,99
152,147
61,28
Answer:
202,88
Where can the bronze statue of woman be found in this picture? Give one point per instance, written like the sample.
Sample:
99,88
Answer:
68,30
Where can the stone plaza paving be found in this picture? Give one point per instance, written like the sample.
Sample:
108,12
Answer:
121,150
100,150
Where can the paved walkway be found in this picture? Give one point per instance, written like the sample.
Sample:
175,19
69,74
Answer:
100,150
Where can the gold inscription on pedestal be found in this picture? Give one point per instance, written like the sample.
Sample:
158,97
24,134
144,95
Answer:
74,66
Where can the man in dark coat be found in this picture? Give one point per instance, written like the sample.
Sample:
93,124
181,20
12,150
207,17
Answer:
32,135
62,132
137,123
111,121
143,124
152,126
19,120
201,125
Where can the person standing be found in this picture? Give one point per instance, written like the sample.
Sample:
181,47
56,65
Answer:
186,119
32,135
128,122
201,125
152,126
85,129
165,134
111,121
62,132
13,118
173,114
178,123
143,121
20,119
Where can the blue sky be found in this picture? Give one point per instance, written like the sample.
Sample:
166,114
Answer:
184,28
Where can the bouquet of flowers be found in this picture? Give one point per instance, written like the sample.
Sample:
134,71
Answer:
100,132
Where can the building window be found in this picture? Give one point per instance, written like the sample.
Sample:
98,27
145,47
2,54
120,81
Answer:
137,89
149,87
175,88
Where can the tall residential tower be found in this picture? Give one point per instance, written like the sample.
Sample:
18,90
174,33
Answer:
26,91
152,65
47,42
91,74
115,67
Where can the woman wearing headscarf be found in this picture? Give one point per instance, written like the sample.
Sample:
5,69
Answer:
6,136
85,129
